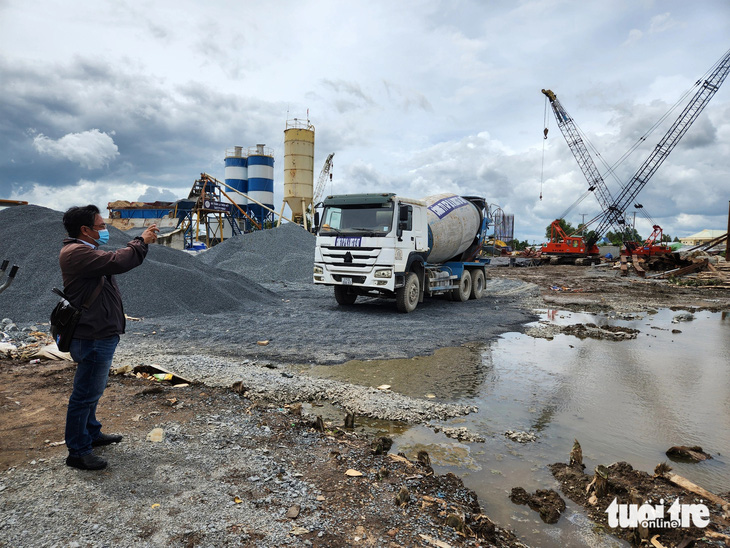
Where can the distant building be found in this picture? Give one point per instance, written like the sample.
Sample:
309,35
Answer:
702,237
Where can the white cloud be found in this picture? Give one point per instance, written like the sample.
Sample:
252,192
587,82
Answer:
84,192
152,194
661,23
634,36
91,149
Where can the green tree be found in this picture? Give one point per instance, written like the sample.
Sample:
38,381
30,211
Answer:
618,238
517,245
591,236
632,235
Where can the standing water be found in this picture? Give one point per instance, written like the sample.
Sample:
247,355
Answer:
623,401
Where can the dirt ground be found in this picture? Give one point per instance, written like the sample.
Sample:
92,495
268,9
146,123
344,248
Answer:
434,509
33,399
601,289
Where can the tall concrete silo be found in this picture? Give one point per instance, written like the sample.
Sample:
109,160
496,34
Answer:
236,176
261,183
298,168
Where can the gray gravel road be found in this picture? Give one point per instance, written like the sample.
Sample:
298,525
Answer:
307,326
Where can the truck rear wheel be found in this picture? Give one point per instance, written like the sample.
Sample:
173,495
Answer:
477,283
344,296
406,297
462,292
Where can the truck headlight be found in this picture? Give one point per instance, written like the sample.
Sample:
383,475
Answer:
318,269
384,273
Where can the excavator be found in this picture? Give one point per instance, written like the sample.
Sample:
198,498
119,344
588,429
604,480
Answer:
652,245
613,209
564,248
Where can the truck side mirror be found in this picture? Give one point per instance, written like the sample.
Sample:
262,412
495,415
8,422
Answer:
405,216
316,222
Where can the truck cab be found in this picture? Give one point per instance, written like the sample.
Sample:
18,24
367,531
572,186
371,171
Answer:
377,245
364,241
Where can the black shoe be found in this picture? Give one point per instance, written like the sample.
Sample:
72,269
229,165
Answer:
106,439
87,462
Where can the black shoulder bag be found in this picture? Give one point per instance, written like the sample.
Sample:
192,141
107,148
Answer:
65,317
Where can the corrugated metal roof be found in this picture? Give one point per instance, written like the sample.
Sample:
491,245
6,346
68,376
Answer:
706,234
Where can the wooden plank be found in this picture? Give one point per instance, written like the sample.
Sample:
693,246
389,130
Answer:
685,270
684,483
639,267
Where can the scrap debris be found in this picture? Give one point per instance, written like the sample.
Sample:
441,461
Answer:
619,484
566,289
154,373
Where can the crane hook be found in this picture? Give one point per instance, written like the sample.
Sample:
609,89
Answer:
545,132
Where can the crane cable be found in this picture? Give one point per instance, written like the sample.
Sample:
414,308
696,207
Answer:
611,169
546,122
546,125
575,204
674,107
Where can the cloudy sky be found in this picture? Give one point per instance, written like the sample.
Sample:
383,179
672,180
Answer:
134,99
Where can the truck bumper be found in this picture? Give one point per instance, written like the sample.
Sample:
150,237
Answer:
378,278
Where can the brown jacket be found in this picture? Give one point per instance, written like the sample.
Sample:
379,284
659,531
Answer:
82,267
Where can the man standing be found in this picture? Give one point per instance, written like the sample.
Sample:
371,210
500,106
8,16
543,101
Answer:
88,279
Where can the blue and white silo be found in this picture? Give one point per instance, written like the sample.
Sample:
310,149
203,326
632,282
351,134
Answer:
236,176
261,182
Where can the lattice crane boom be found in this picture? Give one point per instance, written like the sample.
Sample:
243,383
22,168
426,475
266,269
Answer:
706,91
322,180
585,161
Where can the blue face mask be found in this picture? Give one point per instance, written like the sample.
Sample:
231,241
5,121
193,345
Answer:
103,237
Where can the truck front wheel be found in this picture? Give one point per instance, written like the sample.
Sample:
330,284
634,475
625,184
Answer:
477,283
463,292
344,296
406,297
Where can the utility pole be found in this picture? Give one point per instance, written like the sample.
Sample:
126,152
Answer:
634,225
727,236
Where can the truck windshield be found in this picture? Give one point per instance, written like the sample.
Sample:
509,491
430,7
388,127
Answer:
361,220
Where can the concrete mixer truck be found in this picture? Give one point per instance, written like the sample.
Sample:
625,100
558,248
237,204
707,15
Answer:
390,246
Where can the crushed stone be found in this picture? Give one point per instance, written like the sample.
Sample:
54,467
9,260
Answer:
169,282
284,253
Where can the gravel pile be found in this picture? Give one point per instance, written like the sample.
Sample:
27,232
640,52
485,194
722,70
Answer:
284,253
169,282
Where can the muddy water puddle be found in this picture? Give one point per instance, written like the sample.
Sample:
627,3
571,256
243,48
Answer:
623,400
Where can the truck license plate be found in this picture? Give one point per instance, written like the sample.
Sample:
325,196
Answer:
346,281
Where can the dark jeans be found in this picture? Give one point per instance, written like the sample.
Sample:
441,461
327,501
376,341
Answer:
94,359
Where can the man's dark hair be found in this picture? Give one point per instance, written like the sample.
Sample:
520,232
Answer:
76,217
